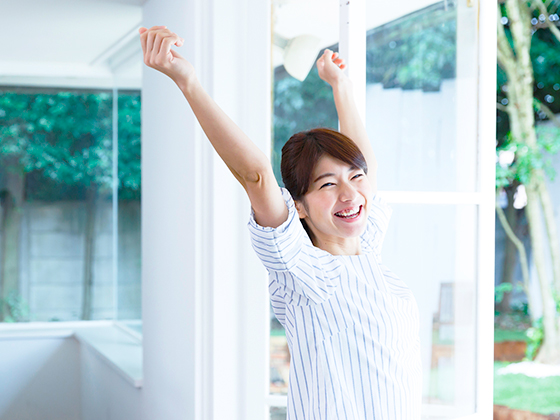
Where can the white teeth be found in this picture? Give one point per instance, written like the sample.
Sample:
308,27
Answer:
349,213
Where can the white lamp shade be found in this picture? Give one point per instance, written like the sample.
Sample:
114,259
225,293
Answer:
300,54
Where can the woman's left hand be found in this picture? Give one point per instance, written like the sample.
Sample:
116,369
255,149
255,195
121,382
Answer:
330,67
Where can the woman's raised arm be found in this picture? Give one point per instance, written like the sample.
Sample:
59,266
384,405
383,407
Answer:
330,67
246,161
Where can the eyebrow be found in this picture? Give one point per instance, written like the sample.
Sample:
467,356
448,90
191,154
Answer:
352,168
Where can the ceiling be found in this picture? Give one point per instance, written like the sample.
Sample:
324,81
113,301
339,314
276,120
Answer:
70,42
93,43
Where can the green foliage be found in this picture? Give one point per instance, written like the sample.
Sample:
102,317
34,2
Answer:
299,106
500,289
14,308
545,59
535,336
415,52
62,141
129,146
528,159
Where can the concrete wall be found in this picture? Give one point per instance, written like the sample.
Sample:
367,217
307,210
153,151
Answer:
52,261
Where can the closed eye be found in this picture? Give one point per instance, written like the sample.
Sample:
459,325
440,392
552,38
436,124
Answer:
326,184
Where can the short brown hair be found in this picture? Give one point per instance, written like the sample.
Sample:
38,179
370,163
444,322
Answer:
303,150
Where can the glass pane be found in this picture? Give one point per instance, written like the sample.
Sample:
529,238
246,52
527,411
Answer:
298,105
421,101
56,209
438,263
277,413
65,200
129,223
421,116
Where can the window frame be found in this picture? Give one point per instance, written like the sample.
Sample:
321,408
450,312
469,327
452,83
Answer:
352,44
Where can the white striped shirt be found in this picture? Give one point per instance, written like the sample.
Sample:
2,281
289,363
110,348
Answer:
352,325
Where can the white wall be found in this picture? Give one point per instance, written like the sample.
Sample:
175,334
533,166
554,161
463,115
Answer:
170,269
106,395
39,379
56,378
204,292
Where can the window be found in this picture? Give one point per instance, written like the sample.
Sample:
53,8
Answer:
422,113
421,116
70,247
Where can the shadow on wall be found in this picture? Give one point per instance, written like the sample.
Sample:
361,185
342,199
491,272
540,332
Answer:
40,379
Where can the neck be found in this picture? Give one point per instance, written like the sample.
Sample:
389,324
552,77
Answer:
339,246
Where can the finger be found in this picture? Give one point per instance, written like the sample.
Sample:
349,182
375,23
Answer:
165,43
180,42
141,30
175,55
143,37
150,39
158,38
342,66
147,38
335,55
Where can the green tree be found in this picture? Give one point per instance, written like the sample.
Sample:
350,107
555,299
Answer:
521,58
58,145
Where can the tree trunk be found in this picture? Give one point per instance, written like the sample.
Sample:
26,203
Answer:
519,70
552,232
11,202
522,255
89,252
510,254
549,351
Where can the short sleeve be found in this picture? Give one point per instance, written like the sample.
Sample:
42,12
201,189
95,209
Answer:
378,222
304,273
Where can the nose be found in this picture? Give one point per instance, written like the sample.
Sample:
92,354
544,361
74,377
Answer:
347,192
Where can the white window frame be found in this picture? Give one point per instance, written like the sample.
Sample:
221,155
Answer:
352,47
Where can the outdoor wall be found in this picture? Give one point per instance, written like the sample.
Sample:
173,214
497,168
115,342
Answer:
52,261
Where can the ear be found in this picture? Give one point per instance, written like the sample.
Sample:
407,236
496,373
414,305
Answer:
300,207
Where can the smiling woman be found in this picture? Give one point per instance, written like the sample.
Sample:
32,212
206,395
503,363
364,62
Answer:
352,326
317,155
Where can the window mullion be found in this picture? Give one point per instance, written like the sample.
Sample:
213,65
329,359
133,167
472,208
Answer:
352,46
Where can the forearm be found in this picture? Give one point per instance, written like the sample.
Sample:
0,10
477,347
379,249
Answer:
245,160
351,124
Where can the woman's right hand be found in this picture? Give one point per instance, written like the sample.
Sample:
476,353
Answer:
156,45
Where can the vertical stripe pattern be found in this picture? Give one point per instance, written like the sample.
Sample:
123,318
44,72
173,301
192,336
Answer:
352,325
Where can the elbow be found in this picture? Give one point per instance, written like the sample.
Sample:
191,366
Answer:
257,175
253,177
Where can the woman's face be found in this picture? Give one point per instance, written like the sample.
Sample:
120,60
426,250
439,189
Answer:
336,204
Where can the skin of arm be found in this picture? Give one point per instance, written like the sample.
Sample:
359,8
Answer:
246,161
330,68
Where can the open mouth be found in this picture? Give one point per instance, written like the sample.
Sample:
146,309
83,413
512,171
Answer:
349,213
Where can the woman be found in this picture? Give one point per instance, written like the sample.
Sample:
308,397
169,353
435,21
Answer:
351,324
